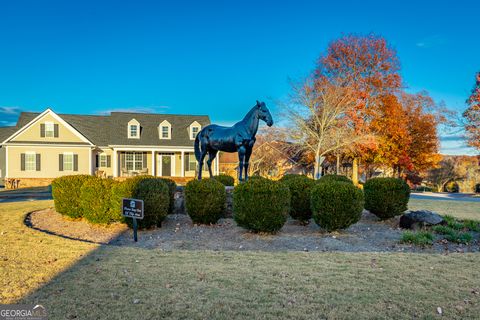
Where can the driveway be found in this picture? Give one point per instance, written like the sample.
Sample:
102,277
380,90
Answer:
26,194
446,196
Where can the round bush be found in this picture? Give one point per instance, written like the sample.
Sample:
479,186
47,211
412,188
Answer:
172,187
334,177
386,197
205,200
156,202
300,187
95,201
336,205
261,205
66,194
227,180
124,189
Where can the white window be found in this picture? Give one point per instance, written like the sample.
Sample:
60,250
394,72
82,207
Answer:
49,130
103,160
134,161
192,162
30,161
165,129
68,161
194,129
133,129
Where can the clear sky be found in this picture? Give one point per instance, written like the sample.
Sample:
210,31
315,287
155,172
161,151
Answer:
216,58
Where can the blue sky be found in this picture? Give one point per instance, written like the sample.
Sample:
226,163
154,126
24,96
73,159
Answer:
216,58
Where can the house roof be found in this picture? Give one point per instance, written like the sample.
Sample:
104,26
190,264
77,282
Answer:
104,130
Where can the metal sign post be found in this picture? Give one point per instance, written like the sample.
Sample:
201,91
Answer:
133,208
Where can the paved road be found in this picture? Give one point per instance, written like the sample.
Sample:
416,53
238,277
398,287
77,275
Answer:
445,196
27,194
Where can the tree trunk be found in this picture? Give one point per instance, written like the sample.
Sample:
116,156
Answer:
338,163
355,171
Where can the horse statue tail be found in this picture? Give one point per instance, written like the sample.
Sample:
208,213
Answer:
198,152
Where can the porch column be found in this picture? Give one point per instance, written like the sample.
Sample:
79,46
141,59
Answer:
153,163
115,163
90,166
217,164
182,165
6,163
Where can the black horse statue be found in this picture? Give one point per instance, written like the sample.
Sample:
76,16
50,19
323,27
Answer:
239,138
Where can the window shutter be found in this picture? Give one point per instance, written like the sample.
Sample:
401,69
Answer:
38,162
55,130
42,130
109,161
22,161
75,162
97,161
186,159
145,156
60,162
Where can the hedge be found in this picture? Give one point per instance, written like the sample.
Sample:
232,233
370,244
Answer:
95,197
300,187
66,194
156,206
386,197
172,187
334,177
261,205
336,205
205,200
226,180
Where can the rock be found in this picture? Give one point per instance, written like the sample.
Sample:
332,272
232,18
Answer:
420,218
439,311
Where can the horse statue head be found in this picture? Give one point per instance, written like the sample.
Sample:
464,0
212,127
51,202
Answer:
264,114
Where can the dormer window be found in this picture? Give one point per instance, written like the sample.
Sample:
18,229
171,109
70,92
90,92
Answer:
133,129
194,129
165,130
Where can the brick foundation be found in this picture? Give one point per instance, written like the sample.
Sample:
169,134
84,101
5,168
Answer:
30,182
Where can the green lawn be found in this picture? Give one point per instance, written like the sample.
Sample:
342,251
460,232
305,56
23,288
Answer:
458,209
75,280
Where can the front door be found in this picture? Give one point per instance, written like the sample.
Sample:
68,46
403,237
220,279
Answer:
166,165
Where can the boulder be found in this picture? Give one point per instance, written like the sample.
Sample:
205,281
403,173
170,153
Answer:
420,218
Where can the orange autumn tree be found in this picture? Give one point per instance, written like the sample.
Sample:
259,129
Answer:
370,68
472,116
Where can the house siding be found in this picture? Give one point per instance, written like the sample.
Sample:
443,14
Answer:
32,134
49,161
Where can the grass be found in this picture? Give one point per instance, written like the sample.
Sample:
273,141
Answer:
75,280
458,209
420,238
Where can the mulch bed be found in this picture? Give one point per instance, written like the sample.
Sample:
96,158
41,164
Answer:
179,233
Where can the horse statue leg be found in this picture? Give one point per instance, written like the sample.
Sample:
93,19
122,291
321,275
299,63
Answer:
200,163
241,157
211,156
248,153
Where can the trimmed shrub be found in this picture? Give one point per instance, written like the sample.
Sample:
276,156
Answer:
386,197
205,200
227,180
156,201
336,205
95,198
172,187
477,188
155,195
66,194
334,177
300,187
261,205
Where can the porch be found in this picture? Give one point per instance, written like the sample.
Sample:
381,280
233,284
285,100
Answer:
157,162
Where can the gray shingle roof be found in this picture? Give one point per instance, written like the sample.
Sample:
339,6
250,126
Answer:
6,132
112,129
